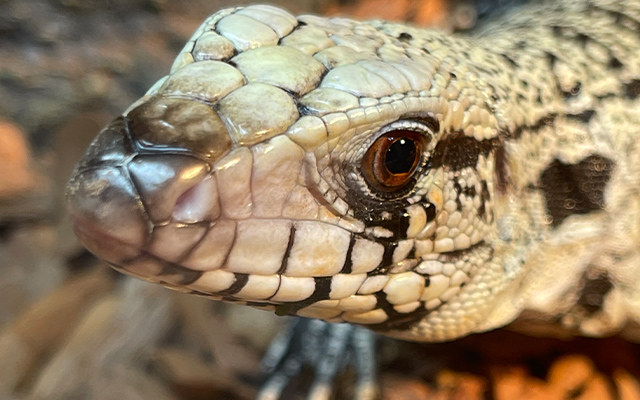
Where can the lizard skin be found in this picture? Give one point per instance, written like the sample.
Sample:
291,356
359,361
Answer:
243,176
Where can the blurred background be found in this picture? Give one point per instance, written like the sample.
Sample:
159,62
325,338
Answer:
70,328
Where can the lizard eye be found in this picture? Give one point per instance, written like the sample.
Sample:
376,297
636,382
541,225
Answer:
393,159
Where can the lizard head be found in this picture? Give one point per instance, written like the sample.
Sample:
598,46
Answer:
322,168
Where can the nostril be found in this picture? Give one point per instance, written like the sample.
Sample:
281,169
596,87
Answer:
162,178
198,203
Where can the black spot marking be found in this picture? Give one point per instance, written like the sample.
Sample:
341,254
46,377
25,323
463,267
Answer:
458,151
614,63
510,61
594,285
575,188
241,280
501,168
285,258
458,188
405,37
632,89
541,123
551,59
470,191
582,38
431,211
584,116
485,197
348,263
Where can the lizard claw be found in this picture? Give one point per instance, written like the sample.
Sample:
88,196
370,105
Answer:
326,348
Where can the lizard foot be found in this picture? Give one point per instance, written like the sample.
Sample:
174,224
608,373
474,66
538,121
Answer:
326,348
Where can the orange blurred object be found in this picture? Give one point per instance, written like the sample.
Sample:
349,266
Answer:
423,13
17,178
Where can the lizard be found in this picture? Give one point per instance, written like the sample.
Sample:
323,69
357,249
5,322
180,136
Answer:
421,184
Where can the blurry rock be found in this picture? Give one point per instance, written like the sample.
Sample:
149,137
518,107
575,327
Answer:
628,385
205,324
37,332
514,382
193,378
570,373
30,269
120,329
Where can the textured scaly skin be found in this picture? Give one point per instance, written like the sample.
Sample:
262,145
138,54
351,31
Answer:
239,175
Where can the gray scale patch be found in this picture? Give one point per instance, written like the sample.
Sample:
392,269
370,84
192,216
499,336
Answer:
594,286
575,188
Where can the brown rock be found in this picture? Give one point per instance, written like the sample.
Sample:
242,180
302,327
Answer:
628,385
569,373
459,386
514,382
397,387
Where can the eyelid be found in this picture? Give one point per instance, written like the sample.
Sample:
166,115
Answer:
407,125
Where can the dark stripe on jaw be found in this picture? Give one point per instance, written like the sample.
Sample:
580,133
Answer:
322,290
348,263
404,321
387,259
187,276
397,320
457,151
285,257
241,280
174,274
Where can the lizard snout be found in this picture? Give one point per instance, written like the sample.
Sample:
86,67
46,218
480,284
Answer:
146,187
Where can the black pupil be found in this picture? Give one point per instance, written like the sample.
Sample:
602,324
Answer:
401,156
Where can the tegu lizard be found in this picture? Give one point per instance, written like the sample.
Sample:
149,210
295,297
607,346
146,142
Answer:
422,184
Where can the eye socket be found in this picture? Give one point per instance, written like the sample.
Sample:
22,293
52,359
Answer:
393,159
